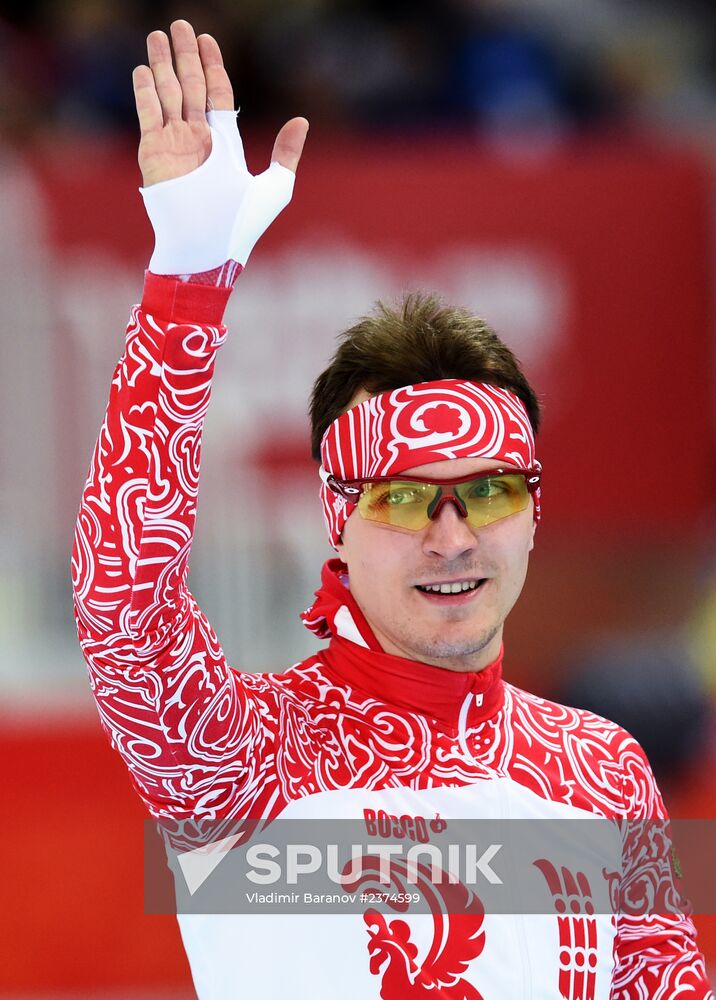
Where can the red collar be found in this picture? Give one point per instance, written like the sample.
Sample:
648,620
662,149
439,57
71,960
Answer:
356,658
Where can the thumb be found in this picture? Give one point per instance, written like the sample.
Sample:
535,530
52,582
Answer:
289,143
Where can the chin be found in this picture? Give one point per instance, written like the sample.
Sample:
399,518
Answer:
452,647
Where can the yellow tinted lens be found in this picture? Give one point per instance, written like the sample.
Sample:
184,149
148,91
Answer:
404,505
490,498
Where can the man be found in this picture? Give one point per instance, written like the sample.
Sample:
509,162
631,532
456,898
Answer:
424,426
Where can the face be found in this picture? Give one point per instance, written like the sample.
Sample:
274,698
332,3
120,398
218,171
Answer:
389,568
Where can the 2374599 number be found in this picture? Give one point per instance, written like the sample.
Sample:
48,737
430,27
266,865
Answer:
375,896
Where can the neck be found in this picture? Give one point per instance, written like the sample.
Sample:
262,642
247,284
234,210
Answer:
406,678
481,652
449,698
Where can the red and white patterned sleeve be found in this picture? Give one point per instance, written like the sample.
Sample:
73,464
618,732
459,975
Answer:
656,956
183,721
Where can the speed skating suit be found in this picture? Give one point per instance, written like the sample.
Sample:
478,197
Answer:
351,732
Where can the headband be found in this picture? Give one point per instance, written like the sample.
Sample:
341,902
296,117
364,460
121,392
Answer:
417,424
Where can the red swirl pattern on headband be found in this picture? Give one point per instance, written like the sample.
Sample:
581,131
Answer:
417,424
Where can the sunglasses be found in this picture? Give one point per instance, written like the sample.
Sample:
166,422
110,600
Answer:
410,503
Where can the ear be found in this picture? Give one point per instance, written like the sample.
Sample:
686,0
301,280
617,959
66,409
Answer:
532,539
341,543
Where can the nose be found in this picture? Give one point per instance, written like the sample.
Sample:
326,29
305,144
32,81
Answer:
448,534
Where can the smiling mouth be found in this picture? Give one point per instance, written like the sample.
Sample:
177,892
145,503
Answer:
450,589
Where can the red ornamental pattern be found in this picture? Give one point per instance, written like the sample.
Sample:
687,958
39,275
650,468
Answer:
417,424
210,745
578,956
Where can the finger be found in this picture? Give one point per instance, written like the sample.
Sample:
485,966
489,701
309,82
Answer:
168,87
219,92
189,71
149,109
289,143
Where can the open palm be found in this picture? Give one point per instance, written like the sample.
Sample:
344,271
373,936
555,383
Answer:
172,99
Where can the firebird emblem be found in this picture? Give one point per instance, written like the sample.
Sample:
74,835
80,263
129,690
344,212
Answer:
458,933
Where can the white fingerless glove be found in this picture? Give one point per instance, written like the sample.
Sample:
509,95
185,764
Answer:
218,211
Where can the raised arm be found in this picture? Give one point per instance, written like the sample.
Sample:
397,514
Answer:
186,724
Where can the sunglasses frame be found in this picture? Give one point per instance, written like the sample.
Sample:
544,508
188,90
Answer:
350,489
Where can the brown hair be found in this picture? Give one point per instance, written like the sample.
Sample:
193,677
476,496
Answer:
419,340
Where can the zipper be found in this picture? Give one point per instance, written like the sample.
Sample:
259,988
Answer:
520,932
462,725
518,919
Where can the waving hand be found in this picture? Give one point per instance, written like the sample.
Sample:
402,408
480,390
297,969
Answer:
172,105
203,203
